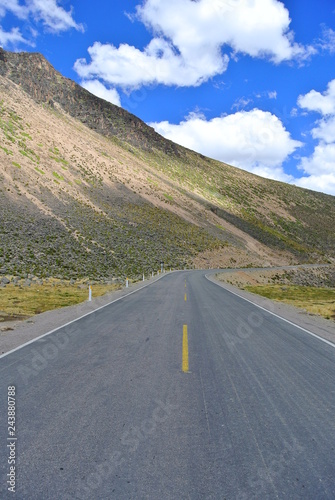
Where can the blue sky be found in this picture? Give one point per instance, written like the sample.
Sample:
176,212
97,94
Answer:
249,82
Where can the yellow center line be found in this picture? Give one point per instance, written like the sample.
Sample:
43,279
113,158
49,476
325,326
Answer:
185,350
185,297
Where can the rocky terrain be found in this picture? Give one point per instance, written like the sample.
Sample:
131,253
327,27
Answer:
319,277
38,78
89,190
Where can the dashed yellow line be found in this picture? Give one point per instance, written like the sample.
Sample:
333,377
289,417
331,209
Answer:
185,350
185,297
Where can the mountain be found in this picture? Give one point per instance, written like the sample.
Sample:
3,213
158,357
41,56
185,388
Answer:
89,190
44,84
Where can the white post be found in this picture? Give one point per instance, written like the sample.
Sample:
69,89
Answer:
89,293
152,274
127,283
143,276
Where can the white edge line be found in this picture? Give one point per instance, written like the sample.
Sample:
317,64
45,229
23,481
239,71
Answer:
273,314
80,317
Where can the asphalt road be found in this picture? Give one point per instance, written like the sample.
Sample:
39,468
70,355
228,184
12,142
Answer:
181,390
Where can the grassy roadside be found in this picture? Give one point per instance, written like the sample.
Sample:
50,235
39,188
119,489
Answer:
315,300
20,303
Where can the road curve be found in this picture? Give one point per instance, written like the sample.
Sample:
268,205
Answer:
107,407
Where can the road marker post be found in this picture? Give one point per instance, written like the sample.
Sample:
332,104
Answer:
127,283
89,293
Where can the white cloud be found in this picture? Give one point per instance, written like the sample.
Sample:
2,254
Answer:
159,63
98,89
13,37
327,41
322,162
325,130
253,140
242,103
189,40
322,103
13,6
53,17
324,183
320,166
256,28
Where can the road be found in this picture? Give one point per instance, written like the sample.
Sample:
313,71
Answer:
181,390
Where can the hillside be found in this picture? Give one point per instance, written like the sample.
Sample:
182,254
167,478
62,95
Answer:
88,189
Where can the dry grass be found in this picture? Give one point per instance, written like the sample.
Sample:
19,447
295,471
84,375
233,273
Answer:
319,301
20,303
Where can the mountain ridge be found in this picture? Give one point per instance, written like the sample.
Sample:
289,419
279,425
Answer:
46,85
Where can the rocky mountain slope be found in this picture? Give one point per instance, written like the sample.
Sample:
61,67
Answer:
88,189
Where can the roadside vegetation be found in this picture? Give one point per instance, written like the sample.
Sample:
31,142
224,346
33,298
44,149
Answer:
21,302
311,288
315,300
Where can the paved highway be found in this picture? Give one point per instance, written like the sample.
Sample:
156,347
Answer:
181,390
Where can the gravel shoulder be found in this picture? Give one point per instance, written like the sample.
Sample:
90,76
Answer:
315,324
16,333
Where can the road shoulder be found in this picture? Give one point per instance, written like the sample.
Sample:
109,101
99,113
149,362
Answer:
21,332
315,324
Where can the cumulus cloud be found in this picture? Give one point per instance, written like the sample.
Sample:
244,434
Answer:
319,168
325,130
323,103
98,89
252,140
324,183
48,12
256,28
129,67
322,162
189,41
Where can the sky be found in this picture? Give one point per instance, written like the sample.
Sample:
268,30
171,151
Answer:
248,82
